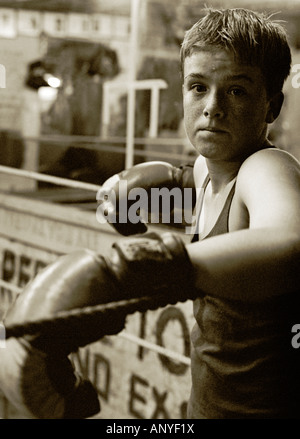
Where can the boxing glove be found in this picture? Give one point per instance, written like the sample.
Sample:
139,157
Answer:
36,374
150,264
128,201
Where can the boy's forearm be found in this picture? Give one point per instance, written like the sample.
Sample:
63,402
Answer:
247,265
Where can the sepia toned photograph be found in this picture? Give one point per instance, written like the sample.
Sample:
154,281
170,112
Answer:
149,212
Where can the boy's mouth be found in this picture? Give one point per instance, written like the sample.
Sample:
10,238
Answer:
212,129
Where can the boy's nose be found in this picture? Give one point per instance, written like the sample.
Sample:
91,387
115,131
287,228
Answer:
214,106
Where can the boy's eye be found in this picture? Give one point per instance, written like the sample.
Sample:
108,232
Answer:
199,88
237,91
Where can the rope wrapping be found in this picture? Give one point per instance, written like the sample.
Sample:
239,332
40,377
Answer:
81,326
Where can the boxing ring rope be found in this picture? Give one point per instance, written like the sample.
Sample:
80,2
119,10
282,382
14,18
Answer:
59,181
135,305
77,313
109,144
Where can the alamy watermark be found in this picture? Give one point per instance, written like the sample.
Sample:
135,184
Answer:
295,340
155,206
296,78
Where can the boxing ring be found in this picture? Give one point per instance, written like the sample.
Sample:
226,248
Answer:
142,372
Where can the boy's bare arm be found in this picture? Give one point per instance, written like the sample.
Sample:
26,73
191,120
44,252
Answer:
262,260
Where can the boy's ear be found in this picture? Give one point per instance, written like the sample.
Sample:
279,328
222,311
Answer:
275,106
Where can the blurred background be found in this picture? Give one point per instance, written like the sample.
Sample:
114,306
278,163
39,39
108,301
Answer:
66,108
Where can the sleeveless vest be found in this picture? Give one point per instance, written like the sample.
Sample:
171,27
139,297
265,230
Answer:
242,361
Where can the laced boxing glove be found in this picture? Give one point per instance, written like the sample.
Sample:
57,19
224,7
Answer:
118,194
36,374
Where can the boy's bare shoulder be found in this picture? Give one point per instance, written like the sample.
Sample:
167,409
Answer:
270,162
266,171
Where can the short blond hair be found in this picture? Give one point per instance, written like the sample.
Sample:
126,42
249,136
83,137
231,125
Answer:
253,37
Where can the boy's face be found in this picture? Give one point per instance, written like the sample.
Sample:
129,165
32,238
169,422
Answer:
226,108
